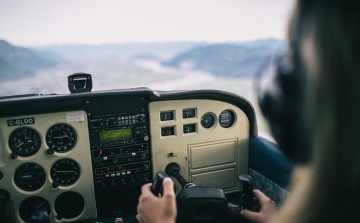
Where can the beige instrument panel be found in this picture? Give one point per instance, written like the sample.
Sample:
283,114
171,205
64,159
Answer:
80,154
207,157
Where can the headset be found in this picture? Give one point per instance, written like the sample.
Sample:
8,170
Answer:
281,97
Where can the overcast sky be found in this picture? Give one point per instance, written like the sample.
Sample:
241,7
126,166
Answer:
46,22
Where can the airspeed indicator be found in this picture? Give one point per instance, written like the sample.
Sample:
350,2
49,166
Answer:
24,142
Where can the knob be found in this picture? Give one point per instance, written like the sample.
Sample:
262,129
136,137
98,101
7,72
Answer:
144,136
146,167
143,156
140,118
118,220
39,216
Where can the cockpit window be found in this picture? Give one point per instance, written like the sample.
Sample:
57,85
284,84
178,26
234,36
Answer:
160,44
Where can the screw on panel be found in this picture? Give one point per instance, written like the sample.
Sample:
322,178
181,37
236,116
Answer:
54,185
50,152
88,114
13,156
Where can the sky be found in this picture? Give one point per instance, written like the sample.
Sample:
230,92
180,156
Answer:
59,22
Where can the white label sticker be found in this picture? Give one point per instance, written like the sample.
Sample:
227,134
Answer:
75,116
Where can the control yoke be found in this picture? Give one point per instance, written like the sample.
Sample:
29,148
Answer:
203,204
157,184
248,201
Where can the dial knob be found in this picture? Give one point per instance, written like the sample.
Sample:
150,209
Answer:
140,118
144,136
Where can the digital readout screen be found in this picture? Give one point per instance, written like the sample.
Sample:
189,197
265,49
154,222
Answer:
118,168
114,135
106,152
134,148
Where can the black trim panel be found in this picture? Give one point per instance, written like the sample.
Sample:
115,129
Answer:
33,104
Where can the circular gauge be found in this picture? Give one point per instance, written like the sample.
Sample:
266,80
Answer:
208,120
24,142
29,177
65,172
61,138
32,204
226,118
69,205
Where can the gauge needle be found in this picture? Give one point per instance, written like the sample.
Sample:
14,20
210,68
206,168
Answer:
58,137
20,145
40,205
26,176
66,134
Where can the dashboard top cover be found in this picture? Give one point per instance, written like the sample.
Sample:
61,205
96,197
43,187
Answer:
39,103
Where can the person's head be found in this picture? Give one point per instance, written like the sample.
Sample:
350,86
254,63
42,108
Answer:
324,40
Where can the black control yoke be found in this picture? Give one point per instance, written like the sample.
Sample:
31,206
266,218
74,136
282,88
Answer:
204,204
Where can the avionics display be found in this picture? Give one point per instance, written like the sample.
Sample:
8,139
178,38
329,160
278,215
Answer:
114,135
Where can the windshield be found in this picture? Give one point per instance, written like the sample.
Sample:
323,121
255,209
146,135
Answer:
160,44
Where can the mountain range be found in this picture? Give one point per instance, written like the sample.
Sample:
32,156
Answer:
238,59
17,62
225,60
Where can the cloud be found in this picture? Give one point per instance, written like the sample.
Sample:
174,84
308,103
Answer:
43,22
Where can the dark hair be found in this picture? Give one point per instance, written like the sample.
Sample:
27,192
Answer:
328,188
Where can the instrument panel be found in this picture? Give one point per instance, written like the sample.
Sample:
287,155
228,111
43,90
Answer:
210,144
82,164
45,161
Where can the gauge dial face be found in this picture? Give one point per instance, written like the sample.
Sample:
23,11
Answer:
208,120
31,204
61,138
189,113
168,131
65,172
29,177
226,118
24,142
166,116
189,128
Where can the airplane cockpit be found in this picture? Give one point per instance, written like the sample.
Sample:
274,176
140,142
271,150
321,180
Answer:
83,156
98,99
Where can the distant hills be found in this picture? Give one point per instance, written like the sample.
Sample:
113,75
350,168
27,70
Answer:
162,50
238,59
17,62
226,60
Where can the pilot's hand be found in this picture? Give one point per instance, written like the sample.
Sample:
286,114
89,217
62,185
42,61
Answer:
153,209
267,211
